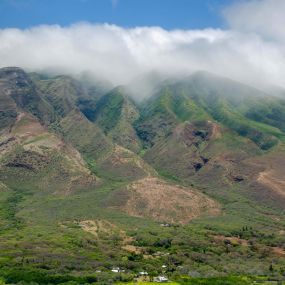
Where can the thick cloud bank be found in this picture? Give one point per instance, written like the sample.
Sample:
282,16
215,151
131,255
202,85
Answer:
252,50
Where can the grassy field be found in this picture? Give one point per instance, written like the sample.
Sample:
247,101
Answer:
236,280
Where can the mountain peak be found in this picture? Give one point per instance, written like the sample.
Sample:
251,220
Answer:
12,72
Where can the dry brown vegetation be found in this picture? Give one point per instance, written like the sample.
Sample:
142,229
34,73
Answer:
267,176
99,227
153,198
234,241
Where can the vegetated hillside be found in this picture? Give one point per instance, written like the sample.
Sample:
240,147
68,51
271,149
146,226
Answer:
229,103
115,113
18,90
191,178
33,157
63,93
200,130
84,135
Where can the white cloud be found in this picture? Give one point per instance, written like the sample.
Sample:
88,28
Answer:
247,52
264,17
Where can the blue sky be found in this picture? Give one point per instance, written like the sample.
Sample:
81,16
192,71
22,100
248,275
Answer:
169,14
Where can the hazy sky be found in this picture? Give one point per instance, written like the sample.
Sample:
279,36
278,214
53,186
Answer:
243,40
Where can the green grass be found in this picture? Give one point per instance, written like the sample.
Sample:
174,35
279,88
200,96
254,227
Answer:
85,136
108,110
146,283
231,280
235,280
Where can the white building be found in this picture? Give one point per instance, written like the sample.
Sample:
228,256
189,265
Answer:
160,279
143,273
116,269
164,266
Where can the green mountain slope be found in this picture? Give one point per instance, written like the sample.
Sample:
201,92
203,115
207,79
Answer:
161,113
115,114
231,104
17,89
66,94
84,135
187,182
200,130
